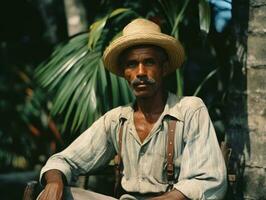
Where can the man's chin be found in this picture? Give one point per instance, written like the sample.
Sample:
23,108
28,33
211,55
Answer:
142,94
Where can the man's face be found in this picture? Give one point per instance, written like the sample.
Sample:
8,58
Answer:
143,69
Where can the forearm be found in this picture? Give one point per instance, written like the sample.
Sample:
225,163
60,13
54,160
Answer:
179,195
54,176
54,185
172,195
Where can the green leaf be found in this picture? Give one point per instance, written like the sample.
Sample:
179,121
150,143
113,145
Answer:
103,88
179,79
95,32
178,19
204,15
97,27
124,90
73,80
83,89
211,74
119,11
115,90
64,56
170,15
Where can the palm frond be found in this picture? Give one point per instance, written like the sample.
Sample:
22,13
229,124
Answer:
97,27
174,14
83,89
179,18
62,60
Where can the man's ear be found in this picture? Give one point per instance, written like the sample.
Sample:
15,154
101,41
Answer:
165,66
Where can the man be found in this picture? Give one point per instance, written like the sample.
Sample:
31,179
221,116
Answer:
166,143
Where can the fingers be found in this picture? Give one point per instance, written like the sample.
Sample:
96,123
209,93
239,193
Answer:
51,191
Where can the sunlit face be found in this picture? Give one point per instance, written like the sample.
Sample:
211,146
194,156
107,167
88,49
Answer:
143,69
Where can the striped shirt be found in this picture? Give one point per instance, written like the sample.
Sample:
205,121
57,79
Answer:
200,171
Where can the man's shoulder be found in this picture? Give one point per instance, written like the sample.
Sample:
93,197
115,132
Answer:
191,102
190,105
186,103
118,112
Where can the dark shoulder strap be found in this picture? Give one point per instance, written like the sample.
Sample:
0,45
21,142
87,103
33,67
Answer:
170,152
118,162
170,155
120,135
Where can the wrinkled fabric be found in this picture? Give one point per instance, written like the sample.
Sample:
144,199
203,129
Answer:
200,171
74,193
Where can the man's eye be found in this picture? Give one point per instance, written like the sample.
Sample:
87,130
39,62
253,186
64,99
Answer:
149,62
131,64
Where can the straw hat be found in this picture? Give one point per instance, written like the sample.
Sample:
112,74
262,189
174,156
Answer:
139,32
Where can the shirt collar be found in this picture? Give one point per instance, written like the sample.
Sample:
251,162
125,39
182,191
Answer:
172,108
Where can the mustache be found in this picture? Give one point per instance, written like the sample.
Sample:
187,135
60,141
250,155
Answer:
142,80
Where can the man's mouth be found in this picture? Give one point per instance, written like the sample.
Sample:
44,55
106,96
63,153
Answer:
142,82
142,85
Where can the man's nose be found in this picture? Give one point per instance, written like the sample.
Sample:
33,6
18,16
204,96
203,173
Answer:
141,70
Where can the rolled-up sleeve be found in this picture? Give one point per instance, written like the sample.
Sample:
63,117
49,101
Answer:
202,171
92,149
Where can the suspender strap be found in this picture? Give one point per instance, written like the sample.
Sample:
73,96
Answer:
120,135
118,162
170,152
170,157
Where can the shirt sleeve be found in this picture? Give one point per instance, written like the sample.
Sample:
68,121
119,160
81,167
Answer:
202,171
92,149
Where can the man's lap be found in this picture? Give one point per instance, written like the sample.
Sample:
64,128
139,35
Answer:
75,193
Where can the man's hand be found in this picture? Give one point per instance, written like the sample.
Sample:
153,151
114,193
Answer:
173,195
54,186
52,191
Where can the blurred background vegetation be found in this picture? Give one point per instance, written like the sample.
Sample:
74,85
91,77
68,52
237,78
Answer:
53,84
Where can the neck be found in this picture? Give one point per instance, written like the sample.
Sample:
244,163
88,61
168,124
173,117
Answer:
151,105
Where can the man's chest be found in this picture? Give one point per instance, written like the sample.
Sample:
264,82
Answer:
150,157
144,125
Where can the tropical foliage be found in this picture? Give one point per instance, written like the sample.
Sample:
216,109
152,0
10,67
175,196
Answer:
83,89
75,87
27,133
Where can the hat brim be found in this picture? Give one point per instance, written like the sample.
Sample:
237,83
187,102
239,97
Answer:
172,47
